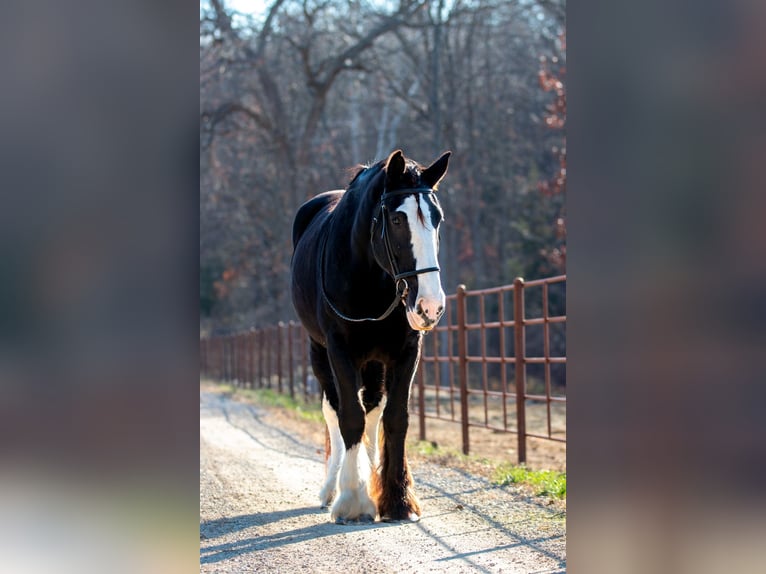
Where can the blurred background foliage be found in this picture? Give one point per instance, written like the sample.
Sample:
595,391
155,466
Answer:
296,92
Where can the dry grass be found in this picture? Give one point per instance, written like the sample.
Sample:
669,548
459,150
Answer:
490,451
495,444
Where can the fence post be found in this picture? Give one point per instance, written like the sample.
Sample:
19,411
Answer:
261,355
241,359
218,359
267,333
226,358
462,350
221,358
519,351
202,357
240,375
290,358
250,358
222,364
237,360
304,364
279,356
234,359
422,401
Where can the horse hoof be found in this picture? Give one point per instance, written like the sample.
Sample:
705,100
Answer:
326,498
363,519
411,517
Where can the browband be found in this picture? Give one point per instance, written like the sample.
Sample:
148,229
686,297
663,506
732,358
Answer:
423,190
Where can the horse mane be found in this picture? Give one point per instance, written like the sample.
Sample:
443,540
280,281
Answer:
412,171
359,169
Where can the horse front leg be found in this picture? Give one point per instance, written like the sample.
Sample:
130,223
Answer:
374,401
395,495
353,502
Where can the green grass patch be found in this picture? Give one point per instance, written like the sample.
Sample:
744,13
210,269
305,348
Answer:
427,448
544,482
307,411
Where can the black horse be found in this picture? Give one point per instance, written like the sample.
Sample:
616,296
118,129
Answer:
365,284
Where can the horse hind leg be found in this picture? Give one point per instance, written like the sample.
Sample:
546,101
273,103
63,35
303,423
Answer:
320,364
374,401
372,433
334,441
374,442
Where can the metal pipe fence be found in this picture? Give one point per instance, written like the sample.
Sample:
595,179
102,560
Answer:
497,360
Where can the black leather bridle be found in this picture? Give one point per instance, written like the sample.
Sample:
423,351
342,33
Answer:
400,277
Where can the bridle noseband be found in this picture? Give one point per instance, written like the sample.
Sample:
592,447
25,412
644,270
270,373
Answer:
400,277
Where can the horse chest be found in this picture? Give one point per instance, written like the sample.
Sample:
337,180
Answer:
380,342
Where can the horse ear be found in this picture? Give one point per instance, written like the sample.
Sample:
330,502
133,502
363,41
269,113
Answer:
434,173
395,166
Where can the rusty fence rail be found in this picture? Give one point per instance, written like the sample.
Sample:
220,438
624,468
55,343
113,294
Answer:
497,360
481,367
273,357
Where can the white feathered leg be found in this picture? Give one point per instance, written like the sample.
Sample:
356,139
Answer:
371,428
337,449
354,502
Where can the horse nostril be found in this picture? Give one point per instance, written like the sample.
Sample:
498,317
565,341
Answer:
440,310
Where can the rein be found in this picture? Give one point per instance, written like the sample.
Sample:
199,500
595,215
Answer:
402,287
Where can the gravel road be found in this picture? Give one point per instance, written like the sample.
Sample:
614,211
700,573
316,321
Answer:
259,511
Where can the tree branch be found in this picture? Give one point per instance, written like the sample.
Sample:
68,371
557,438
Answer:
212,118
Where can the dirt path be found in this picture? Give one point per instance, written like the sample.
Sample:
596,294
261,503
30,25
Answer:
259,511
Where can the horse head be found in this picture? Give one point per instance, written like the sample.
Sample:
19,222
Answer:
405,236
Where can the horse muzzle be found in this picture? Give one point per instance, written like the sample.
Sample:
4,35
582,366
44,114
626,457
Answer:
426,313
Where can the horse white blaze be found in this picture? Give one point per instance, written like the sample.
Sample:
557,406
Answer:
430,300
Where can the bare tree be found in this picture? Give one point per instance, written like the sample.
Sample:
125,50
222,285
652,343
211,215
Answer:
291,97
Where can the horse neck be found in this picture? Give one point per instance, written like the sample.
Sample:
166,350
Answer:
349,250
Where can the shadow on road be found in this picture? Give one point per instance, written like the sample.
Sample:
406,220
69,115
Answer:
521,540
215,528
249,419
296,525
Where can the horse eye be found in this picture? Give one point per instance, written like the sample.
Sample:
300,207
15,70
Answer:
396,220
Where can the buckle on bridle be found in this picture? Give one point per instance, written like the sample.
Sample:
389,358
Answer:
402,288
